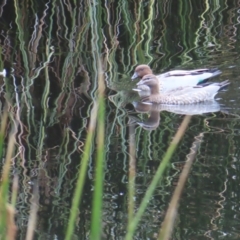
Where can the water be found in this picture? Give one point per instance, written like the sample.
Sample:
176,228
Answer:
52,107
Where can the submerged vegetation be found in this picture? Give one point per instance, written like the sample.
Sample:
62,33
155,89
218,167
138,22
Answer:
73,166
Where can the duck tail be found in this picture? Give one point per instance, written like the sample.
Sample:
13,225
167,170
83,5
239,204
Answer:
215,72
223,84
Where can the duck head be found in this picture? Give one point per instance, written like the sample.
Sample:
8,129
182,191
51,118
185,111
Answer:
141,70
149,81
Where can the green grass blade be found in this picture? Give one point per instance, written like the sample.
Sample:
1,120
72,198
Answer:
157,177
82,173
131,175
96,226
168,223
7,225
32,221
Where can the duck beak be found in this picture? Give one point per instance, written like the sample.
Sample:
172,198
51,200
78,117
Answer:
147,103
136,90
135,75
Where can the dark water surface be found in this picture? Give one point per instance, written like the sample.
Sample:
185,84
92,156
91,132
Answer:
50,50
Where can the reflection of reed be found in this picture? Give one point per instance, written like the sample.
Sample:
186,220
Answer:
52,48
168,223
219,210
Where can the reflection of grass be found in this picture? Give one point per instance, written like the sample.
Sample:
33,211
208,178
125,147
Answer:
81,32
82,172
168,223
157,177
97,119
133,219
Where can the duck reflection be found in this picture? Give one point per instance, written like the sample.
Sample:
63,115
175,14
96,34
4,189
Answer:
154,110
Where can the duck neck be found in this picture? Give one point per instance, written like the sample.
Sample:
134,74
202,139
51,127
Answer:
154,89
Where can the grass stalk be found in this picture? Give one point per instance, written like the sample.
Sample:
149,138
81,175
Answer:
82,173
96,226
14,190
12,228
167,226
2,130
33,214
157,177
7,225
132,175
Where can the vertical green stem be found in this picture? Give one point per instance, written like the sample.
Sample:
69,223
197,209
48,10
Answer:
96,226
131,176
157,177
82,173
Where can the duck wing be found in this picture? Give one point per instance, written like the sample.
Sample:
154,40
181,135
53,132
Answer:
180,78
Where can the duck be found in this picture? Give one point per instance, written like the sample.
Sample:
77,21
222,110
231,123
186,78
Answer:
180,96
177,78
